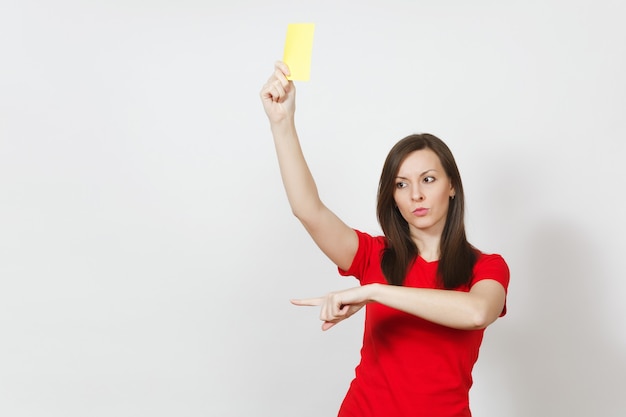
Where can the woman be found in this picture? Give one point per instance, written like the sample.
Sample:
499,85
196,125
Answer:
429,293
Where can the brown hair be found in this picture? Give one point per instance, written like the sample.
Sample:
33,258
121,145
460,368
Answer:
457,256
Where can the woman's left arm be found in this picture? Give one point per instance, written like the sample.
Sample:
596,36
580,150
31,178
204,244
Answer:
472,310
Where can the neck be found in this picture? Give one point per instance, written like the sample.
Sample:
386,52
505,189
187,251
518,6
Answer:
427,245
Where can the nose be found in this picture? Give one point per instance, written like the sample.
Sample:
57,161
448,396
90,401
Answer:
416,193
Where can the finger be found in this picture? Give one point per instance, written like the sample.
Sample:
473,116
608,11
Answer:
281,77
278,77
335,312
280,87
266,93
331,314
308,301
272,93
338,307
327,325
284,68
344,309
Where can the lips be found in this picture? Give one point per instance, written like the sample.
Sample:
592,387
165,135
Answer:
420,211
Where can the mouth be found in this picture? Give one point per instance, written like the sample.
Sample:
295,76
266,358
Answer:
420,211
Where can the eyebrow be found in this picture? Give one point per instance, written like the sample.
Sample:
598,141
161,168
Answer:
421,175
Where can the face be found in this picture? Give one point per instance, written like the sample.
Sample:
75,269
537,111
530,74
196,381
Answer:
422,192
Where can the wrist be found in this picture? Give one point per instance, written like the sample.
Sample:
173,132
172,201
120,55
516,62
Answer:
284,125
373,292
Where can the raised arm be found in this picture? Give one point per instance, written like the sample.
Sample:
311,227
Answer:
338,241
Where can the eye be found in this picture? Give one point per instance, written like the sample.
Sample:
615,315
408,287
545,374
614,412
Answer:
429,179
401,184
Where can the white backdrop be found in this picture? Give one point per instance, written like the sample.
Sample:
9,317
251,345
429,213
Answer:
147,250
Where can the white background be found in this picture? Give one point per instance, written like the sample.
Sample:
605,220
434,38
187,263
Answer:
147,250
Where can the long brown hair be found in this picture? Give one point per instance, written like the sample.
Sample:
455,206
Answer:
457,256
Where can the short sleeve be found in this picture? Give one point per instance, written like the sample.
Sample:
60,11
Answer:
492,267
367,257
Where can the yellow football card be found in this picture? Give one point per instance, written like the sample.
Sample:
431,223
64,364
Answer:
298,50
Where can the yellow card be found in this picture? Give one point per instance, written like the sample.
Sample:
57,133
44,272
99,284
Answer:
298,49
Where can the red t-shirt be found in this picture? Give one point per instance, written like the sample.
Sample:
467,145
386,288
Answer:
410,366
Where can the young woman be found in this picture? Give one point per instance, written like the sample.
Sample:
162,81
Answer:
429,293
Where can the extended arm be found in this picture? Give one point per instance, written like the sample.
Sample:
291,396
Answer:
471,310
338,241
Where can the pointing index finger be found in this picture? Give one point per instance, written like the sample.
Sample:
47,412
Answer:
308,301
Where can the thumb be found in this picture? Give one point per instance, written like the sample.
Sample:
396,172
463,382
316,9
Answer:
327,325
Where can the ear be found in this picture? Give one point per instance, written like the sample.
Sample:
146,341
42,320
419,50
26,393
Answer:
452,192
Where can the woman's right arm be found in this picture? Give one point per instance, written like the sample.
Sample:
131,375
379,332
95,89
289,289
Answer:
336,239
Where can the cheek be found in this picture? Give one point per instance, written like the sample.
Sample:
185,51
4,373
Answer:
397,199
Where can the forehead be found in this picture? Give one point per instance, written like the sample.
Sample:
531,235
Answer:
418,162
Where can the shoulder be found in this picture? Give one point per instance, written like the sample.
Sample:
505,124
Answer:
366,261
483,259
491,266
368,241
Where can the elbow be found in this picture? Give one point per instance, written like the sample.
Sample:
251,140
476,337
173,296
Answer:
298,212
306,220
295,212
307,215
478,322
480,319
302,215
